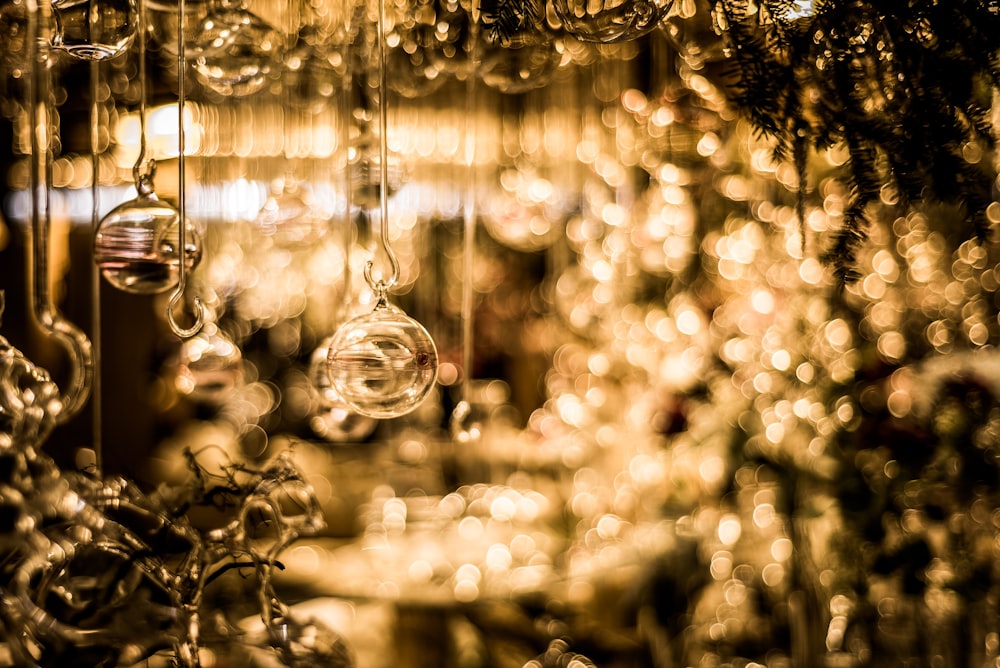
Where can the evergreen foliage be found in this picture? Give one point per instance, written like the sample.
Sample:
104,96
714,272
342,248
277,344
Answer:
904,85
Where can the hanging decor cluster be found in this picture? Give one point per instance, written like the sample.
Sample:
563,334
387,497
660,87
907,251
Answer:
905,86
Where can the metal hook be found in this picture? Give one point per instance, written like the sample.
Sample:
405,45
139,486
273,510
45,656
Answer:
199,315
175,298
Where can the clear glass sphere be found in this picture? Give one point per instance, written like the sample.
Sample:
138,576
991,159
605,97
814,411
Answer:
693,32
383,363
611,20
210,366
94,29
333,420
524,62
136,246
314,74
237,53
290,220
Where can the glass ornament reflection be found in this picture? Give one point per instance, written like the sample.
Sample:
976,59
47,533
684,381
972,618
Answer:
382,363
333,420
136,245
94,29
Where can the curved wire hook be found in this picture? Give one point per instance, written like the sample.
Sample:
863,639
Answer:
175,298
68,335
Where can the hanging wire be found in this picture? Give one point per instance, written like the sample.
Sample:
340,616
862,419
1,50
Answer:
382,285
71,337
462,425
199,308
469,239
95,273
143,178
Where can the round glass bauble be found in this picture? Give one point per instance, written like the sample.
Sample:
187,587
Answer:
210,366
382,364
524,62
237,53
291,221
94,29
611,20
137,246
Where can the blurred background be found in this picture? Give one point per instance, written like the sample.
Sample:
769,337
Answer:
661,433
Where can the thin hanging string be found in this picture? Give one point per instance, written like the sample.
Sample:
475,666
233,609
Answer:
199,308
95,272
382,285
469,247
55,325
462,428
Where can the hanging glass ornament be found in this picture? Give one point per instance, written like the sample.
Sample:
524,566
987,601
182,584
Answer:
288,218
524,62
411,28
236,52
137,243
210,365
697,37
94,29
333,420
382,364
314,72
610,21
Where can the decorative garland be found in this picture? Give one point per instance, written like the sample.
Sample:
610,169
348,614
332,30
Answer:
905,85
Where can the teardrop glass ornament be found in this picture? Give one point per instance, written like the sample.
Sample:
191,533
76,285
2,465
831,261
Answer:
94,29
136,245
236,53
382,364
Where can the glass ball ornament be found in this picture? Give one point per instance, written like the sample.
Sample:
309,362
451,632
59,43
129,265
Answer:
210,366
382,364
236,53
692,30
314,73
611,20
410,39
94,29
524,62
136,245
289,219
333,420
